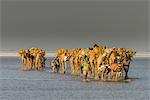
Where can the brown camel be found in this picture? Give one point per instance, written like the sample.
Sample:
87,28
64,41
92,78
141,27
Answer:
63,57
23,56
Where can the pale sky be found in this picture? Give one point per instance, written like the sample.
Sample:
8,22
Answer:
53,24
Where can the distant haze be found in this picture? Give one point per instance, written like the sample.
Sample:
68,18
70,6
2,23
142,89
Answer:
53,24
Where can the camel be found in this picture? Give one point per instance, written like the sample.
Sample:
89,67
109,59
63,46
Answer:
96,51
112,56
30,60
79,59
33,58
92,57
63,57
72,54
38,61
63,60
72,63
99,62
78,62
23,56
33,53
27,59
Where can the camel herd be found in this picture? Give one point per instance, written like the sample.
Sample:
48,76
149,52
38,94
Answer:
33,59
98,62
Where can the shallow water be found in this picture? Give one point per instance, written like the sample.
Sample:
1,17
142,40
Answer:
43,85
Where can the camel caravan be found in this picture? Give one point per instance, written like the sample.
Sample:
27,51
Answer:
96,63
32,59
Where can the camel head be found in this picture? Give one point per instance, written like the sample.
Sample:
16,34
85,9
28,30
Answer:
22,52
131,53
58,52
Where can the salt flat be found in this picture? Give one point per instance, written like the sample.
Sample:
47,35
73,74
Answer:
43,85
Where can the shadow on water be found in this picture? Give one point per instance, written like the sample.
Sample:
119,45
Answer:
47,70
134,78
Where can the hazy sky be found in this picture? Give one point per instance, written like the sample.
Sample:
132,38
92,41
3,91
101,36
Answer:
53,24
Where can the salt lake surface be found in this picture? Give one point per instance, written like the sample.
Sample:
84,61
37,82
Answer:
43,85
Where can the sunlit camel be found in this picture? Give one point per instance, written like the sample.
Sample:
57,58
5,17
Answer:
63,57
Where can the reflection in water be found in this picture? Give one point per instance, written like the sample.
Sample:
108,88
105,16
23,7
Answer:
40,85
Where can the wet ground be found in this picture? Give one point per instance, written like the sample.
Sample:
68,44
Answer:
43,85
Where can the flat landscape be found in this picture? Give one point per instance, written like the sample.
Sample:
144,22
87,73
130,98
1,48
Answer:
44,85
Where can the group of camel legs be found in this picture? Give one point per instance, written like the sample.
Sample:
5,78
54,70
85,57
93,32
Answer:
33,59
99,62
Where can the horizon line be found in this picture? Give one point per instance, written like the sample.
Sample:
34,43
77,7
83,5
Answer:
52,54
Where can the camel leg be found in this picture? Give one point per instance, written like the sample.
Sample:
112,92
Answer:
24,62
102,75
60,64
36,65
109,76
30,60
113,75
120,75
40,65
24,66
72,69
85,74
77,69
97,73
28,64
93,69
63,68
33,65
117,76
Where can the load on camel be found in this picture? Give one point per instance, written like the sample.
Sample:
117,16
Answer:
32,59
98,62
